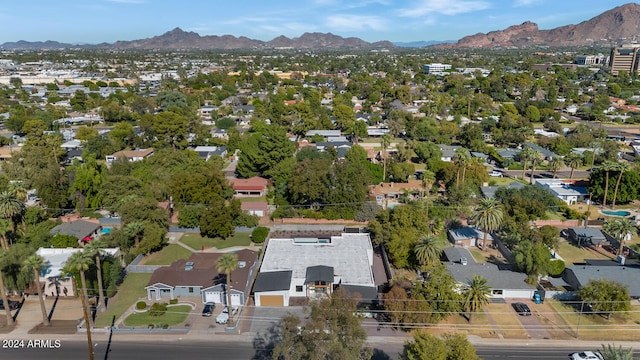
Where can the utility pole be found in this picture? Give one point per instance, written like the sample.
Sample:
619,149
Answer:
87,325
579,317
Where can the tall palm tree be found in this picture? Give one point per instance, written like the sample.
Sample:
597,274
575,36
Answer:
525,155
5,228
621,167
81,261
11,208
226,264
620,229
426,250
135,230
95,248
488,216
3,293
385,142
35,263
607,166
535,156
462,159
475,295
573,161
18,189
428,178
556,164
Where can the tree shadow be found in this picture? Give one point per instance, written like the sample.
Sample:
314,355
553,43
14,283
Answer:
53,308
380,355
264,342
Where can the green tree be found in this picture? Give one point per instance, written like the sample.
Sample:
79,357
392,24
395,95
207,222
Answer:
573,161
621,229
461,159
427,180
475,295
3,292
606,296
556,164
87,183
532,259
11,208
535,156
63,241
487,216
95,248
217,221
331,331
81,261
621,168
525,155
135,230
263,150
385,140
35,263
607,167
450,347
226,264
426,250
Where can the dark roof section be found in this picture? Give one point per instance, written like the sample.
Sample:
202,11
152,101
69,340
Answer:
77,228
319,273
272,281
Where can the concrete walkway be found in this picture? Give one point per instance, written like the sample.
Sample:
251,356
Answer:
174,238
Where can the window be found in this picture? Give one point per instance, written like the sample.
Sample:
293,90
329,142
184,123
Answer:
298,288
496,292
190,290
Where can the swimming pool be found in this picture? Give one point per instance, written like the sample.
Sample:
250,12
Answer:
616,212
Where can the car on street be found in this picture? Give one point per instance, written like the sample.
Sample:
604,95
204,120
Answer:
586,355
13,305
521,308
208,309
234,310
496,173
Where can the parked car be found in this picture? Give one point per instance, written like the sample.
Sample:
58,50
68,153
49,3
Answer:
496,173
521,308
208,309
234,310
586,355
223,318
463,260
13,305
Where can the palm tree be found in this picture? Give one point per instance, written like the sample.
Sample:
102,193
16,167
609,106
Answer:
620,229
35,263
556,164
428,178
3,293
81,261
462,158
96,248
17,188
487,216
226,264
5,228
535,156
11,208
385,141
525,155
134,230
573,161
426,250
621,167
476,295
607,166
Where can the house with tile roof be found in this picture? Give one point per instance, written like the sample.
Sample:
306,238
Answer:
254,186
129,155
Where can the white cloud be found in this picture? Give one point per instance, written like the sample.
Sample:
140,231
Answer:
355,22
525,2
445,7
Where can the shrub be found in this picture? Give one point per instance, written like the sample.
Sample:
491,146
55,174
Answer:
173,301
141,305
556,267
259,234
158,309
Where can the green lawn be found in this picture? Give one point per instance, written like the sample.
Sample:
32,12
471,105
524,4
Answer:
196,241
573,254
253,199
166,256
129,292
552,215
174,316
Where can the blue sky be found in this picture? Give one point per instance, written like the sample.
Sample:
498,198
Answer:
95,21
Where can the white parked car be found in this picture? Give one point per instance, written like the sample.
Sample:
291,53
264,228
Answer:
223,318
586,355
496,173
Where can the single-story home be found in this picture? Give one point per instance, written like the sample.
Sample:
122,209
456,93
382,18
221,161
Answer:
387,194
82,229
468,236
311,267
55,281
130,155
206,152
579,275
569,191
254,186
198,276
504,283
490,191
258,208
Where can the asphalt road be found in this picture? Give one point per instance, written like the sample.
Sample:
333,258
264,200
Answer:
72,350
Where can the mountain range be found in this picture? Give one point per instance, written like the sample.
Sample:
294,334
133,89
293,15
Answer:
615,26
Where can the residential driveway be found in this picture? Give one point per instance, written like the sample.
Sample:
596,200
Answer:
531,324
30,315
265,320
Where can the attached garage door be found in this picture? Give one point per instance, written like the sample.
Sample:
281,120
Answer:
212,296
235,299
271,300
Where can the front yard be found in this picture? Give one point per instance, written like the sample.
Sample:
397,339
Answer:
131,289
167,255
174,316
573,254
197,242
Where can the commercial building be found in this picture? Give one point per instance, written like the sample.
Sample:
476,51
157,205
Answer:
436,67
624,58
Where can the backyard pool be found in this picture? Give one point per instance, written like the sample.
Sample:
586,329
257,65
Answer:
616,212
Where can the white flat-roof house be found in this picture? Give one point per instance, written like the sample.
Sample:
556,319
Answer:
569,191
312,267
